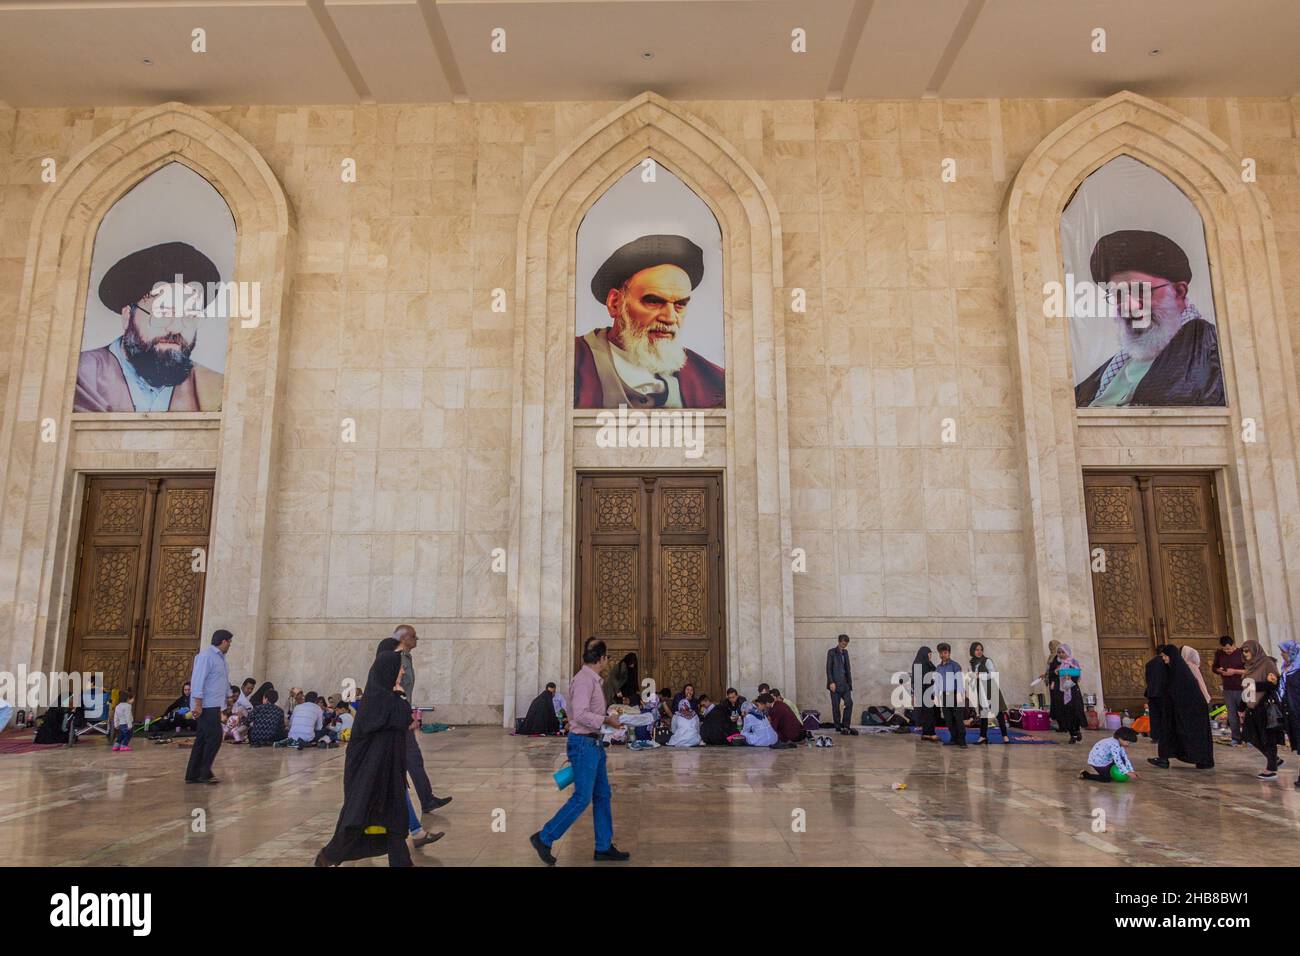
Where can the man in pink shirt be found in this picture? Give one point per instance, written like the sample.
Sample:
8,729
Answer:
590,782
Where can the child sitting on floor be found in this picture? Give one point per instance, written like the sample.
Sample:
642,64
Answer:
1110,753
123,721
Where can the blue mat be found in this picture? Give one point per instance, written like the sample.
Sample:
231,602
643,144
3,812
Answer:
995,736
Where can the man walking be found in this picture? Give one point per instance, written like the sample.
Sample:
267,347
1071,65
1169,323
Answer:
1228,664
952,689
209,683
587,756
839,681
406,639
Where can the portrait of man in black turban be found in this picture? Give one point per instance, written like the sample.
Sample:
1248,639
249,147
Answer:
1169,354
646,285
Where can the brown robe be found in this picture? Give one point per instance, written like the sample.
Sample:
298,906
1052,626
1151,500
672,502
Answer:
101,387
702,384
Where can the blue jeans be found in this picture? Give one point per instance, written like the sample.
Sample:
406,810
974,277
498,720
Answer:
590,786
413,822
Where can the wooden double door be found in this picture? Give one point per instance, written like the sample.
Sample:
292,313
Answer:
650,575
138,592
1157,574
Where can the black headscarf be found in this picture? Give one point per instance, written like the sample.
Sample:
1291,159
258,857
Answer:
923,658
632,684
259,695
383,704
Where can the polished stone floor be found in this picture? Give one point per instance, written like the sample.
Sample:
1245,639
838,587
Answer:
1001,805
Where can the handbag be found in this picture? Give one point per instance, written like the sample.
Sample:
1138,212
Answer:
1272,714
564,776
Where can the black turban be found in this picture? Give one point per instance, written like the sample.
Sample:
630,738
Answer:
1139,251
644,253
133,277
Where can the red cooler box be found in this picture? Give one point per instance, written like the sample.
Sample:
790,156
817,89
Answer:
1034,720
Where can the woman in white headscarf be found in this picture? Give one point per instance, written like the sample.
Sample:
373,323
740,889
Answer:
686,727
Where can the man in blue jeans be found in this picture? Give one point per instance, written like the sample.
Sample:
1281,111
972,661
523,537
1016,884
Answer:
590,782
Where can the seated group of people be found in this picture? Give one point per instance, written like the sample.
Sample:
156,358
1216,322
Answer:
308,719
767,721
681,719
256,718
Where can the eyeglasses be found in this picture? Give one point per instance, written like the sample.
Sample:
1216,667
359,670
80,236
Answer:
1135,291
166,317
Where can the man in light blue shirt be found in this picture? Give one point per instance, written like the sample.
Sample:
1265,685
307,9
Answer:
209,683
952,695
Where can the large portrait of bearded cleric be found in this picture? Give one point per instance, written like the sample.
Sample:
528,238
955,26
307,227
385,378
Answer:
1142,327
649,320
156,324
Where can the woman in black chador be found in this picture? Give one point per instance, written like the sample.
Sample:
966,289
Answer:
1185,734
922,713
374,817
1157,674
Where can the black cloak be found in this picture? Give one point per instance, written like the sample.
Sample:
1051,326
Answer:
374,772
1157,686
541,717
921,713
1186,733
716,726
1056,708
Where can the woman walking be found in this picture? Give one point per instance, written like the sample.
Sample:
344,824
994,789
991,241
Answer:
374,819
1288,689
1262,723
1185,733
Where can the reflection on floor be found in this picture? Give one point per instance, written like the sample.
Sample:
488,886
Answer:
997,805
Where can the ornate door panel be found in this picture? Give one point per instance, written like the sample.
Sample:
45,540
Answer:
138,601
113,559
174,609
649,580
1120,586
1188,576
1157,574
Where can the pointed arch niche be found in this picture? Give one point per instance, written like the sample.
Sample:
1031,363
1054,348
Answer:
550,441
1256,481
43,481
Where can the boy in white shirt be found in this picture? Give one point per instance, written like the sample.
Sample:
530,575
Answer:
123,721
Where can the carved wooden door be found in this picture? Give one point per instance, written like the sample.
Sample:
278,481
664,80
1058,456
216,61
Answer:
1157,574
649,575
138,597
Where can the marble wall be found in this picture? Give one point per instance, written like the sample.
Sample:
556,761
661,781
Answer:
388,319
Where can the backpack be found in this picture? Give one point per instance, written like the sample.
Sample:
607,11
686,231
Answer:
812,720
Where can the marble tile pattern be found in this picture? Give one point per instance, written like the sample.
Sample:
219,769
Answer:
921,304
1012,806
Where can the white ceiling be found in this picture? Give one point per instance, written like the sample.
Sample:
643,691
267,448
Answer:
92,52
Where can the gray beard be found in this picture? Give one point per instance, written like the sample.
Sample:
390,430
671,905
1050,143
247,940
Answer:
665,357
1144,345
